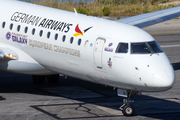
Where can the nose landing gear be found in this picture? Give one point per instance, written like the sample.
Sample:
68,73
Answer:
127,108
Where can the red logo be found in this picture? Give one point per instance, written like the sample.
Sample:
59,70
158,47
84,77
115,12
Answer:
79,32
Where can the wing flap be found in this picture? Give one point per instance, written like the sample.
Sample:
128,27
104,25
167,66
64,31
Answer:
152,18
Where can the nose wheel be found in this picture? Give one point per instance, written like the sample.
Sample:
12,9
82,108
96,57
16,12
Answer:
128,110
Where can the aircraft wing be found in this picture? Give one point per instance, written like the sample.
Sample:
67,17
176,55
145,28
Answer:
7,54
152,18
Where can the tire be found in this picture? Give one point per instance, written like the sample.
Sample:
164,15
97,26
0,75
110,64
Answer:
53,78
128,110
37,79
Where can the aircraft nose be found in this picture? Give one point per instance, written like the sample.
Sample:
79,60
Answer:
164,79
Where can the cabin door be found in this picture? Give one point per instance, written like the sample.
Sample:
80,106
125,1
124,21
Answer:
98,49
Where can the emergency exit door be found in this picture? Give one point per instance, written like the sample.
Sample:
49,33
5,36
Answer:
98,50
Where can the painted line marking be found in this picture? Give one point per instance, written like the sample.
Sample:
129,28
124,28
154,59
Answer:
164,32
166,46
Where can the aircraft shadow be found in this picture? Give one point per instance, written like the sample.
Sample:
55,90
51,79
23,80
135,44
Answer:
1,98
94,100
176,66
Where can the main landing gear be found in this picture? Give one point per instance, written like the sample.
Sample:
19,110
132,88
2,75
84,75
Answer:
40,79
127,108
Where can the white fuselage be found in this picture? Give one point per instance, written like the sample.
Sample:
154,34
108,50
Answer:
95,59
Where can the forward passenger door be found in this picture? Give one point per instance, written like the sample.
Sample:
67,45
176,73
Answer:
98,49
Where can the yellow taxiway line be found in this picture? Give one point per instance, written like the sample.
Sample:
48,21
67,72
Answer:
164,32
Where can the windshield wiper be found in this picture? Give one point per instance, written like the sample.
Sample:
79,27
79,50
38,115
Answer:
151,49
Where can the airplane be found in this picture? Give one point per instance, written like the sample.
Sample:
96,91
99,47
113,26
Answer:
45,42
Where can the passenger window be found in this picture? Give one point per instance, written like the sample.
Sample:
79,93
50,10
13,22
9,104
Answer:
18,28
56,36
33,31
11,26
86,43
122,48
3,24
40,33
64,38
26,29
79,42
48,35
71,40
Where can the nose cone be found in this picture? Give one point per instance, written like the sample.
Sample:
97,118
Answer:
164,79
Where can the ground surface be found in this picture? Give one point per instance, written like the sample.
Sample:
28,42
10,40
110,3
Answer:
71,98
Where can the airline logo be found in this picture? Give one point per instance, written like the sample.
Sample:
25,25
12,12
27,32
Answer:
18,38
35,20
109,49
8,35
79,32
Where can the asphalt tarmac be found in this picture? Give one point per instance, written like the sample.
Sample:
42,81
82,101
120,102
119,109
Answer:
74,99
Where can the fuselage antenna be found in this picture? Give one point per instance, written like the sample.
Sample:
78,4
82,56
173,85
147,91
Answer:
75,11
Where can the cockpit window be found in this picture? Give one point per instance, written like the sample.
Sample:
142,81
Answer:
145,48
156,48
140,48
122,48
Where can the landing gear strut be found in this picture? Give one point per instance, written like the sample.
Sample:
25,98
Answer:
127,109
